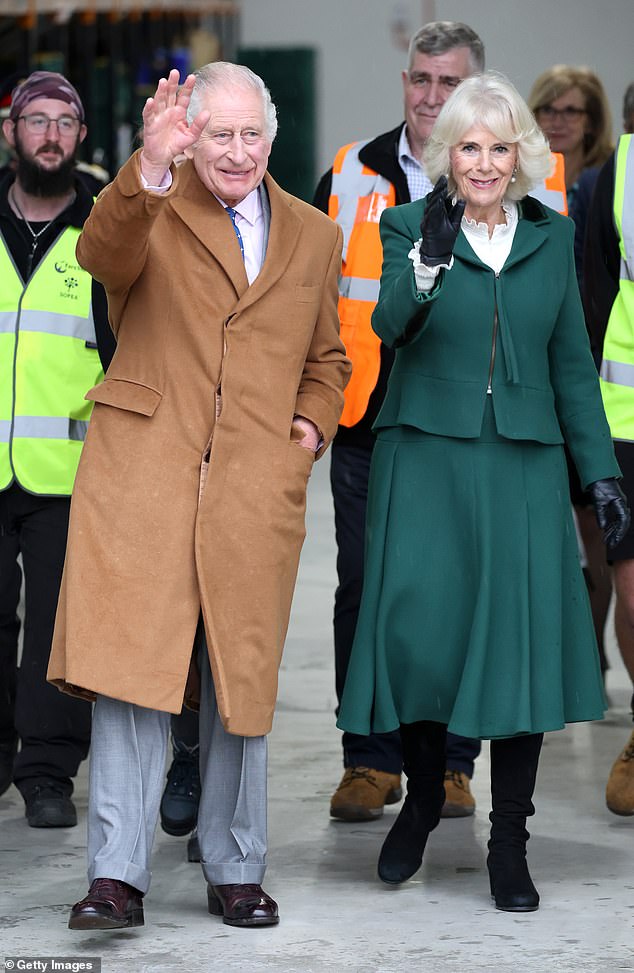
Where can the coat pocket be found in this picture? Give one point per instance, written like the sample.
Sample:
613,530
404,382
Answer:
307,293
125,394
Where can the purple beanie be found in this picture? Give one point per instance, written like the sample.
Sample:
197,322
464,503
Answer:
44,84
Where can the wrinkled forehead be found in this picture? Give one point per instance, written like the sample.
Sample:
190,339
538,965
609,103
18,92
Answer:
455,63
233,107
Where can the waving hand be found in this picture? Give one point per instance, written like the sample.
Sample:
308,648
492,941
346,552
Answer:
166,133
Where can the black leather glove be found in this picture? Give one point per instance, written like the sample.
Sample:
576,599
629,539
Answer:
611,508
440,225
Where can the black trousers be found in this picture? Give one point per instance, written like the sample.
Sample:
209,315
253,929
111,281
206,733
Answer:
349,475
53,728
10,585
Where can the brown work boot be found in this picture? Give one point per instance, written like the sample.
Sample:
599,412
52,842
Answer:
363,792
459,801
619,793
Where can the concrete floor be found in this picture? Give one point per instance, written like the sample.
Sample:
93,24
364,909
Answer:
336,915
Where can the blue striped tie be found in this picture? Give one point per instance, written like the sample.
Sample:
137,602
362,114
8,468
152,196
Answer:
232,213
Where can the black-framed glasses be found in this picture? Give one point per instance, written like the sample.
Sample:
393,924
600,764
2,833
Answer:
569,114
39,124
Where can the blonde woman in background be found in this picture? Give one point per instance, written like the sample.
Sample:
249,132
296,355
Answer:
571,108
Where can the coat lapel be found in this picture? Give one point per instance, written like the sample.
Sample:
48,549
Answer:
284,232
206,219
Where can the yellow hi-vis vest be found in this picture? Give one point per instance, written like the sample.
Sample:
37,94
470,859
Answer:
48,361
358,197
617,366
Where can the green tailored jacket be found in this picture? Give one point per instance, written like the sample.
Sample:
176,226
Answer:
522,331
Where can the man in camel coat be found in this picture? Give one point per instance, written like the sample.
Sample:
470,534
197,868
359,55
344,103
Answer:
187,517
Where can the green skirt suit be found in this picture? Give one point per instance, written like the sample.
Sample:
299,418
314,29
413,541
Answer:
474,610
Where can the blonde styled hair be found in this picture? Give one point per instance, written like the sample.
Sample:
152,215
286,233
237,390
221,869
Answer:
555,82
489,100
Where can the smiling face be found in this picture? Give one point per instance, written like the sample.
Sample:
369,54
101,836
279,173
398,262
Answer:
233,151
426,87
482,167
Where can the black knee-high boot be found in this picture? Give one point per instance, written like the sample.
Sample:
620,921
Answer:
513,772
424,766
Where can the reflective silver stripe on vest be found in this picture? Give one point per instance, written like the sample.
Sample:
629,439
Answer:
549,197
351,183
627,216
66,325
359,289
48,427
7,321
5,429
618,373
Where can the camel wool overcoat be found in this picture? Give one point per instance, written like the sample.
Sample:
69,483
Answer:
190,494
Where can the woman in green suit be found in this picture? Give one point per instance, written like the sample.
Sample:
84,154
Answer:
474,613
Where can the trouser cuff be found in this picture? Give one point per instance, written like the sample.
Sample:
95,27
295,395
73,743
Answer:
233,873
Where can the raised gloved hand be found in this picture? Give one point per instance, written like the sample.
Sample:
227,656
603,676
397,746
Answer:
611,508
440,225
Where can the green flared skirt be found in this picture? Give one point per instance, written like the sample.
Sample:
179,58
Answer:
474,610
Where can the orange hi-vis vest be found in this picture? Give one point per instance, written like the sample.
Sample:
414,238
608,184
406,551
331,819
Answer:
357,198
552,192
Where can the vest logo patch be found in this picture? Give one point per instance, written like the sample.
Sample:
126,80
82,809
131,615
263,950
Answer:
371,207
71,279
64,266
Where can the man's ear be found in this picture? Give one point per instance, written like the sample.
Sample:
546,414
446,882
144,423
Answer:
8,130
83,132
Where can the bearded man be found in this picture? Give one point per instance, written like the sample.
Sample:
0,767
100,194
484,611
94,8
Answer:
49,308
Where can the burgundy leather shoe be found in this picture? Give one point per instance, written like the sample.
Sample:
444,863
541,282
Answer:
110,904
242,905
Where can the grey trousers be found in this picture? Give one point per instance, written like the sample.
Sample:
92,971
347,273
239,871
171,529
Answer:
127,767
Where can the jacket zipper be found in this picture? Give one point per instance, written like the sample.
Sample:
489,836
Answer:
494,339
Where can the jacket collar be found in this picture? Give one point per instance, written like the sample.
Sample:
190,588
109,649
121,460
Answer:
75,214
381,155
530,234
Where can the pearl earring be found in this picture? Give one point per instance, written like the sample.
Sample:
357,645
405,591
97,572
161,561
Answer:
514,176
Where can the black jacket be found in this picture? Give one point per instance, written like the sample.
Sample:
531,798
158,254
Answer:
381,155
19,247
602,259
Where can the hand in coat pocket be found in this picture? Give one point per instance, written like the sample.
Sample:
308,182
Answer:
305,433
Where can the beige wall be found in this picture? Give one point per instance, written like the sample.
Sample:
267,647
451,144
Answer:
359,86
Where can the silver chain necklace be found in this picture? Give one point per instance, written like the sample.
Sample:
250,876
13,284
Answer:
35,236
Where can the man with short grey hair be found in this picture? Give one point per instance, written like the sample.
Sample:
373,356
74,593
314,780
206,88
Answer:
187,517
366,178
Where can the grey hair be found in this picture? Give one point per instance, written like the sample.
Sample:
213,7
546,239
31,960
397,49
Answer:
490,100
223,74
440,36
628,108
